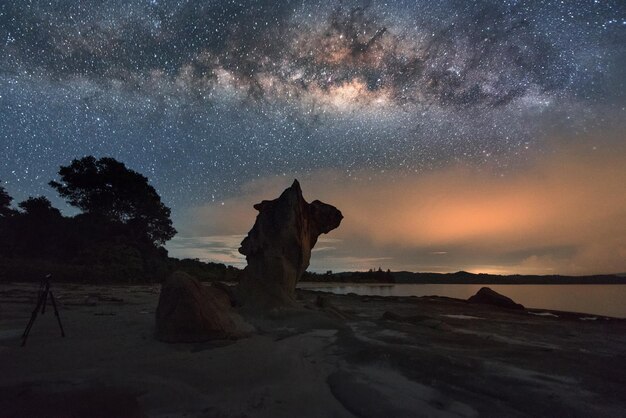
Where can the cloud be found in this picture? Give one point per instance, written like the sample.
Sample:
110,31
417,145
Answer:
215,248
563,213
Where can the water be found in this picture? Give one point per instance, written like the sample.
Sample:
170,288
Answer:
609,300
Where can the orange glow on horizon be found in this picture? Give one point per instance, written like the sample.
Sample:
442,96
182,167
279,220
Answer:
561,215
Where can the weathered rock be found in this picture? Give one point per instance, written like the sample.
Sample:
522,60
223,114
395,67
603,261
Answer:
228,292
191,312
278,247
490,297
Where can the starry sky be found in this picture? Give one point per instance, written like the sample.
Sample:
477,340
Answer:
454,135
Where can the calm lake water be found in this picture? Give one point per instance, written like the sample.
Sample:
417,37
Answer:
609,300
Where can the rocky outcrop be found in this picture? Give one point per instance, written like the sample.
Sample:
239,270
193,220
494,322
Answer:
191,312
490,297
278,247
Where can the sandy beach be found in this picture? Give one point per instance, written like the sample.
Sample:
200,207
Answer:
335,356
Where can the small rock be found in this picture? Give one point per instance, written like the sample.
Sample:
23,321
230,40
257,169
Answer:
490,297
191,312
322,302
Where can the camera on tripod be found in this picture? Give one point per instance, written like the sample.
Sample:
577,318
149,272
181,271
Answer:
43,294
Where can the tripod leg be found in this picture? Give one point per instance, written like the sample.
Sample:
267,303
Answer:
45,301
56,313
33,316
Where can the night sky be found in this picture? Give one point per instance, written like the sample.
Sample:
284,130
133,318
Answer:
454,135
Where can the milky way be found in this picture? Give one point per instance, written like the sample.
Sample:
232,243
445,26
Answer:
203,96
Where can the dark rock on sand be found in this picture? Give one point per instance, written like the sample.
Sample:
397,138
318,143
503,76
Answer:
490,297
229,291
278,247
191,312
322,302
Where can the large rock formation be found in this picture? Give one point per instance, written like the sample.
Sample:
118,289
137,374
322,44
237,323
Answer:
490,297
191,312
278,247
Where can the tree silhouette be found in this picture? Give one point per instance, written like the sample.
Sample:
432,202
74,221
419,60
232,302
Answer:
5,203
38,230
39,207
106,189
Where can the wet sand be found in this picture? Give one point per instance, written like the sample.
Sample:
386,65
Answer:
335,356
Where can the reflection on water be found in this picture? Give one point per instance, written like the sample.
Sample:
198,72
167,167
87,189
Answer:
607,300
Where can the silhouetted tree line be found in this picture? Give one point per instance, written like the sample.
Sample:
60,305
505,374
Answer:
117,236
371,276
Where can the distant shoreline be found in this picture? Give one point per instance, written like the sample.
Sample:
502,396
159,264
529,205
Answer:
552,283
462,277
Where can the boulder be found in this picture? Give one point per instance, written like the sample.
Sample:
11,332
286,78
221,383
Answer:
278,247
191,312
490,297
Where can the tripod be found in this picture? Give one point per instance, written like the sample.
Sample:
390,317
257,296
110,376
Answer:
44,292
